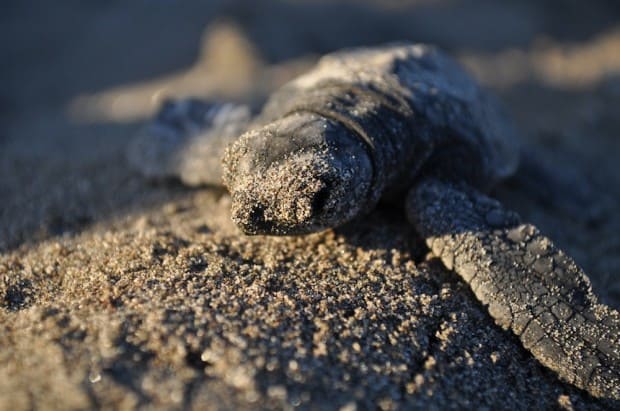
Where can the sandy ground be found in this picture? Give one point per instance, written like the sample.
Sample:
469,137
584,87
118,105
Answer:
117,293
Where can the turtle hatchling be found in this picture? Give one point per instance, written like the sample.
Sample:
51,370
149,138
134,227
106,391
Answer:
400,123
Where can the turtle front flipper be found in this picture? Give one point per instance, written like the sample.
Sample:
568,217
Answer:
187,140
528,284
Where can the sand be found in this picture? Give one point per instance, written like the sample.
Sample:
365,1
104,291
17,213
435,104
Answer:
119,293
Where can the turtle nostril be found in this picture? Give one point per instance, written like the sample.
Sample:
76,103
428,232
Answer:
257,214
319,200
257,223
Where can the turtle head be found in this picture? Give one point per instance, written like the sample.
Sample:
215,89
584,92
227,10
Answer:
299,174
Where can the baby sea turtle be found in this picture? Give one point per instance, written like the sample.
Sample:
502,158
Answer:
396,122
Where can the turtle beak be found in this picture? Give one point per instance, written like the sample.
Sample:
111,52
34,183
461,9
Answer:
296,178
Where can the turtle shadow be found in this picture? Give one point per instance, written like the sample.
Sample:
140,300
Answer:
386,228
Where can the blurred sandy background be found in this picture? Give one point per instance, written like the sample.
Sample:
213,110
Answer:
80,77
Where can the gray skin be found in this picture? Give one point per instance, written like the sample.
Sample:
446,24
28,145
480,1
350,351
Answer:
396,122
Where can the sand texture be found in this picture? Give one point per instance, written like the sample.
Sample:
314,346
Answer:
120,293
